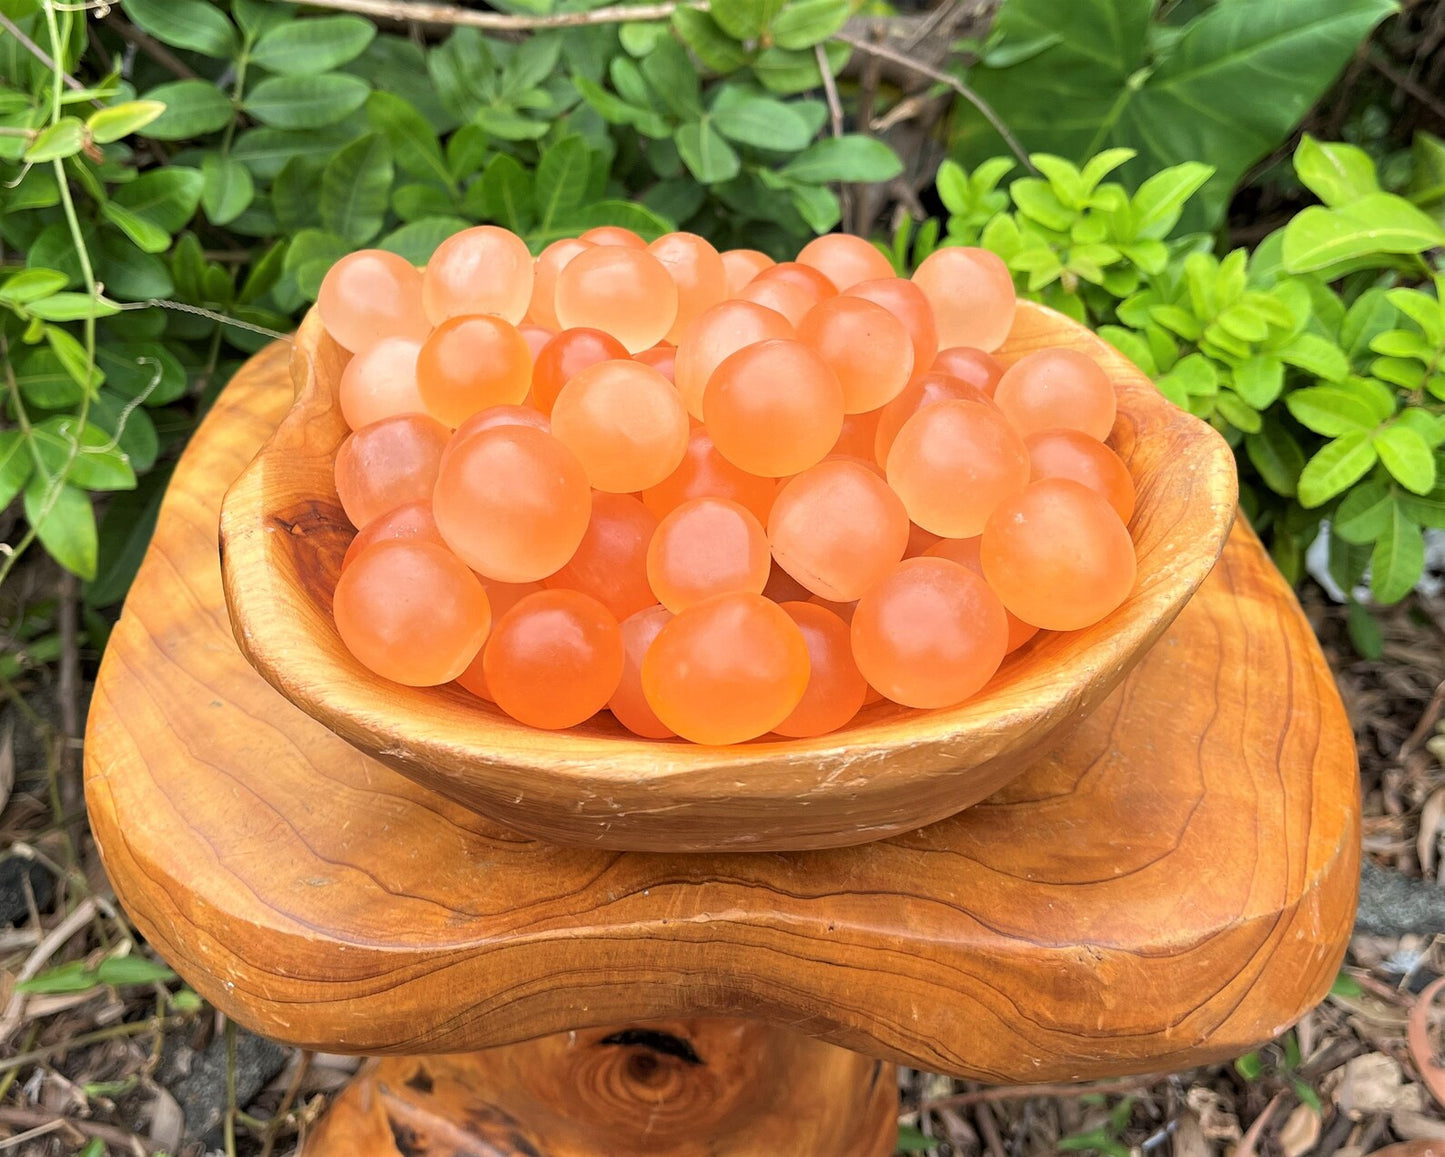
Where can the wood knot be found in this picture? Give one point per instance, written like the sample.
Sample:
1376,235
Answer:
316,537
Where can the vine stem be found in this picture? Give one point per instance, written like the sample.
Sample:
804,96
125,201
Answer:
40,54
425,12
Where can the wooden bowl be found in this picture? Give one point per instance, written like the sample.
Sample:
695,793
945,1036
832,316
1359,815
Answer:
283,534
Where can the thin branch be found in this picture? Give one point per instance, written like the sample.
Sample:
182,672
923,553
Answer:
116,1137
152,48
1021,1092
41,55
1408,83
883,52
54,940
425,12
835,115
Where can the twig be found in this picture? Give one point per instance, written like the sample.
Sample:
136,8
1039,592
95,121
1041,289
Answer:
424,12
152,48
1021,1092
111,1032
54,939
67,690
110,1134
895,57
41,55
992,1142
230,1120
1401,80
303,1066
835,115
1249,1144
1428,718
53,1125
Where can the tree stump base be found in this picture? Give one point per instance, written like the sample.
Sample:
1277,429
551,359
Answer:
688,1088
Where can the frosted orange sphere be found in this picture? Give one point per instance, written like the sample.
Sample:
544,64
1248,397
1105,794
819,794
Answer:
471,363
503,597
704,473
906,302
970,365
972,296
497,416
1057,555
542,309
784,297
838,529
859,436
380,383
662,358
613,235
369,296
388,464
952,463
412,520
1073,454
536,337
816,282
610,563
628,703
932,634
566,356
625,423
716,335
625,292
726,670
706,547
742,265
864,345
554,659
513,503
965,551
773,408
697,269
1057,389
484,269
836,688
845,260
923,391
410,612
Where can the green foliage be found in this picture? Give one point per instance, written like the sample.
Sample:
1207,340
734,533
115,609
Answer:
1321,356
1222,83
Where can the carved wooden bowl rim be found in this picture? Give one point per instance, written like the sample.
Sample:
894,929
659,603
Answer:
283,533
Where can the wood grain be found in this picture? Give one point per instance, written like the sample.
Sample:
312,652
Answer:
732,1089
1174,885
894,769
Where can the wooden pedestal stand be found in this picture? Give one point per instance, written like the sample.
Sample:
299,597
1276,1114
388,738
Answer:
1175,885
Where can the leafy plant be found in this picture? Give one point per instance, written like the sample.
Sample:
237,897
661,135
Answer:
1106,1137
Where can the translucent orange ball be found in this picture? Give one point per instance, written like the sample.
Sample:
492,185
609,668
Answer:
726,670
1057,389
496,416
932,634
610,563
773,408
628,703
471,363
716,335
566,356
622,291
859,436
704,473
952,463
864,345
369,296
923,391
613,235
838,529
484,269
513,503
972,295
969,365
503,597
380,383
784,588
1073,454
413,520
836,688
388,464
1057,555
662,358
411,612
784,297
845,260
542,309
698,271
706,547
906,302
536,337
964,551
554,659
803,276
625,423
742,265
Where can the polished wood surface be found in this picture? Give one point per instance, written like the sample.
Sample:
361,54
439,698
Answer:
708,1088
1176,884
894,769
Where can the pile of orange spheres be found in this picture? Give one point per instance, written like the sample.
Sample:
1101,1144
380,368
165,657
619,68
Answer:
716,495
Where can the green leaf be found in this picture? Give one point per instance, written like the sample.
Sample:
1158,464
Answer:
1369,643
120,120
226,188
73,977
808,22
1336,173
306,102
67,530
672,78
707,156
64,138
1315,355
1250,1066
629,214
192,24
193,109
148,236
129,427
506,194
760,121
417,240
311,253
847,158
1232,409
1335,468
1376,223
98,464
16,465
354,188
1160,200
1398,559
72,357
911,1139
317,45
256,17
1369,316
745,19
120,970
30,285
1364,513
817,204
786,71
1277,456
1427,510
412,141
1425,311
72,307
1407,457
709,43
562,175
166,198
1259,380
143,369
1330,410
